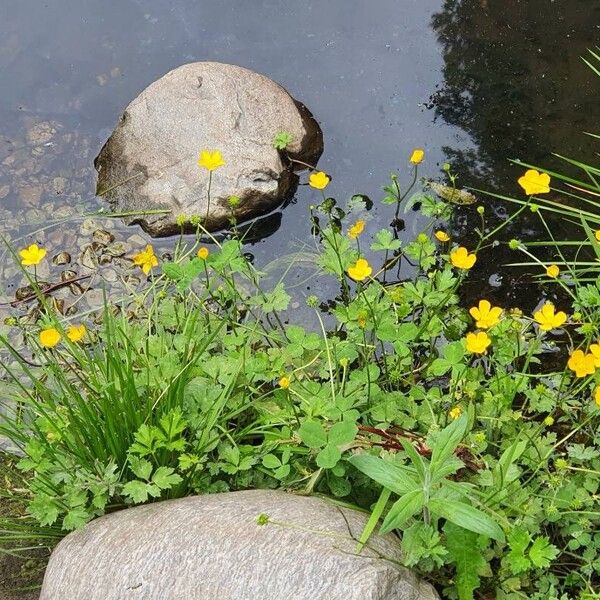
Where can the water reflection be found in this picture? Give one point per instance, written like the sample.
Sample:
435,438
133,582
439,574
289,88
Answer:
514,80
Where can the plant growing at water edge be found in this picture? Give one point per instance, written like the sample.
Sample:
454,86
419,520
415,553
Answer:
196,383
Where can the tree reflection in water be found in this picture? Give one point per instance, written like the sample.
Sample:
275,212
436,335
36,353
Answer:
515,82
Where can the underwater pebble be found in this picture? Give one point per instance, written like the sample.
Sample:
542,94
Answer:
88,258
118,248
62,258
103,237
59,185
88,227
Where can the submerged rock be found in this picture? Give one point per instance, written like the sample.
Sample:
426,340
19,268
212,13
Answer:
212,546
150,160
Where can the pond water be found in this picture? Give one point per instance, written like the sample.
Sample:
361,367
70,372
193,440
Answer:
474,82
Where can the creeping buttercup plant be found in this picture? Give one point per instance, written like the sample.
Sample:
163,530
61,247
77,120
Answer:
447,423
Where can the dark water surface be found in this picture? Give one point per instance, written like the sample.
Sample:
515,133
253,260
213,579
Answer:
474,82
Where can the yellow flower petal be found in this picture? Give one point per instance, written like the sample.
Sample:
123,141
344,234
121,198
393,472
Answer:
595,352
548,319
284,383
356,229
202,253
146,259
553,271
210,160
477,343
461,258
442,236
360,270
76,332
581,363
417,156
49,337
319,180
455,412
534,182
485,314
32,255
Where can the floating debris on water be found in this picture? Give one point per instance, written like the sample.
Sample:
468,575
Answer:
451,194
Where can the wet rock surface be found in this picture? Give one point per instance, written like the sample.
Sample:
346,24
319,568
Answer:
150,160
212,546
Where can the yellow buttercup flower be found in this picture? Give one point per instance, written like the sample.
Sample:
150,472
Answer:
210,160
319,180
553,271
32,255
284,383
478,342
146,259
581,363
597,235
356,229
597,396
417,156
595,351
534,182
455,412
461,258
360,270
548,318
202,253
485,314
49,337
442,236
76,332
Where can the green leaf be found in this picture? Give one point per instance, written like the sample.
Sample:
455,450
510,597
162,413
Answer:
404,508
542,552
75,518
384,240
271,461
385,473
415,458
313,434
136,490
378,510
148,439
342,433
465,553
187,461
165,478
447,441
328,457
466,516
282,140
518,540
141,467
173,424
44,509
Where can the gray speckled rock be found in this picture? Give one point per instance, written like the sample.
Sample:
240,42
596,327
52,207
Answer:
150,160
211,548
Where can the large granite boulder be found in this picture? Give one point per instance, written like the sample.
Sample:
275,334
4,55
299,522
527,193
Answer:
150,160
212,547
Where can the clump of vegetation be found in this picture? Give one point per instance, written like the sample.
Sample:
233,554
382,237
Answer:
473,432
